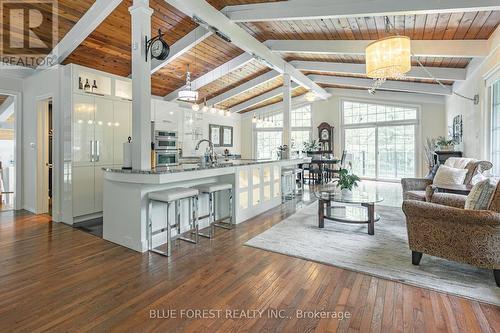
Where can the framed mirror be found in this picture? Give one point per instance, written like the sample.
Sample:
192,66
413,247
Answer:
214,134
227,136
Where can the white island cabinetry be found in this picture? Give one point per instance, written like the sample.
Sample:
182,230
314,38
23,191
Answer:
256,189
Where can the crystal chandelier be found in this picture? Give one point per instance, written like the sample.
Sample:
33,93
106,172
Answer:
388,58
188,94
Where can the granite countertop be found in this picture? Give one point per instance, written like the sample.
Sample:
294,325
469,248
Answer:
195,167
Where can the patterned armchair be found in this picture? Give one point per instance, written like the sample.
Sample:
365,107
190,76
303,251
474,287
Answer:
415,188
443,228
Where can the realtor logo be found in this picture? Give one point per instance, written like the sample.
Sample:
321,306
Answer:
29,31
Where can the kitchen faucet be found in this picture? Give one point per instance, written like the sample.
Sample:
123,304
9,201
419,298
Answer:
213,157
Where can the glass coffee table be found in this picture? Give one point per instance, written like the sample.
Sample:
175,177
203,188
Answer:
350,212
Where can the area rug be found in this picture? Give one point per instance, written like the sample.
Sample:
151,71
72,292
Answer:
385,255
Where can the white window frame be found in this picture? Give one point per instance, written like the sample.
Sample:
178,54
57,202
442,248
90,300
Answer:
416,123
490,79
304,129
255,129
490,127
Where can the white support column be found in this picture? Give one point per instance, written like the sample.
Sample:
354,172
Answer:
141,86
287,110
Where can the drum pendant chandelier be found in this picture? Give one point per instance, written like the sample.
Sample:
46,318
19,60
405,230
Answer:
388,58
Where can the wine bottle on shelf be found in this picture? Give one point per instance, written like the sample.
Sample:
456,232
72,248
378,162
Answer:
87,85
80,83
94,87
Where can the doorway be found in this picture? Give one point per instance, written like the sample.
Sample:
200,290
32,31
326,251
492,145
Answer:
382,139
7,153
45,137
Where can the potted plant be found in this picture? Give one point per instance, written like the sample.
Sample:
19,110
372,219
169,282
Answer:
445,144
311,146
347,181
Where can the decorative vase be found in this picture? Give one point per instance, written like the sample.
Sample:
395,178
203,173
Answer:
346,193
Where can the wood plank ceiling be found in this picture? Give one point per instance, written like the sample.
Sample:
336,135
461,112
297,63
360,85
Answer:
68,13
108,47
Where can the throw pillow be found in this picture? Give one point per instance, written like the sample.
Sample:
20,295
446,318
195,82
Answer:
449,176
481,195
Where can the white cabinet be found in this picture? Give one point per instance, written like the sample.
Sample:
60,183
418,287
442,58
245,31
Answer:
103,131
257,189
167,115
83,130
122,115
83,190
100,126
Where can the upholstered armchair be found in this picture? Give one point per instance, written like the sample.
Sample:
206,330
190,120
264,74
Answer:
443,228
415,188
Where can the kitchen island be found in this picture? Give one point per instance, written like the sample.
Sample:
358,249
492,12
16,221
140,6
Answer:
256,189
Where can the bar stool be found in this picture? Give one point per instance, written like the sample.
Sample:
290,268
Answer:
287,183
175,196
211,190
299,182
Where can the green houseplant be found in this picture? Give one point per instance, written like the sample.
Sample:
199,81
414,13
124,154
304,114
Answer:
311,146
445,144
347,181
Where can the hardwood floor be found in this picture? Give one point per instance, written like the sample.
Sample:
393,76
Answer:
59,279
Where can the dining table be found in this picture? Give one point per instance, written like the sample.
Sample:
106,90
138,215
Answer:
325,167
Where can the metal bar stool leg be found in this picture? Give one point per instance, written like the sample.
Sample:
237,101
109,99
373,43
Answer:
227,225
190,240
195,217
169,233
150,225
210,234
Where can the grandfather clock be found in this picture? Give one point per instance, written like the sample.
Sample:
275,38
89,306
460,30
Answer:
325,132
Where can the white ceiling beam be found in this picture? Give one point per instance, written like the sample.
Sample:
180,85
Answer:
244,87
214,74
260,98
296,101
7,109
94,16
417,72
244,40
180,47
419,48
414,87
323,9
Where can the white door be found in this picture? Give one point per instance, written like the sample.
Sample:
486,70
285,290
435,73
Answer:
122,115
104,127
83,190
83,130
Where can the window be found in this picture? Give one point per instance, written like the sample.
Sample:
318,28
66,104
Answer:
301,123
301,117
360,113
272,121
298,138
381,138
268,143
495,128
267,132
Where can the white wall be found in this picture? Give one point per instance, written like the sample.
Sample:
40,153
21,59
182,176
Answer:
475,117
433,117
189,144
39,86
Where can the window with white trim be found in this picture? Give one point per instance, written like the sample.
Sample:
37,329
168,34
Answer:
381,138
301,123
269,132
495,128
